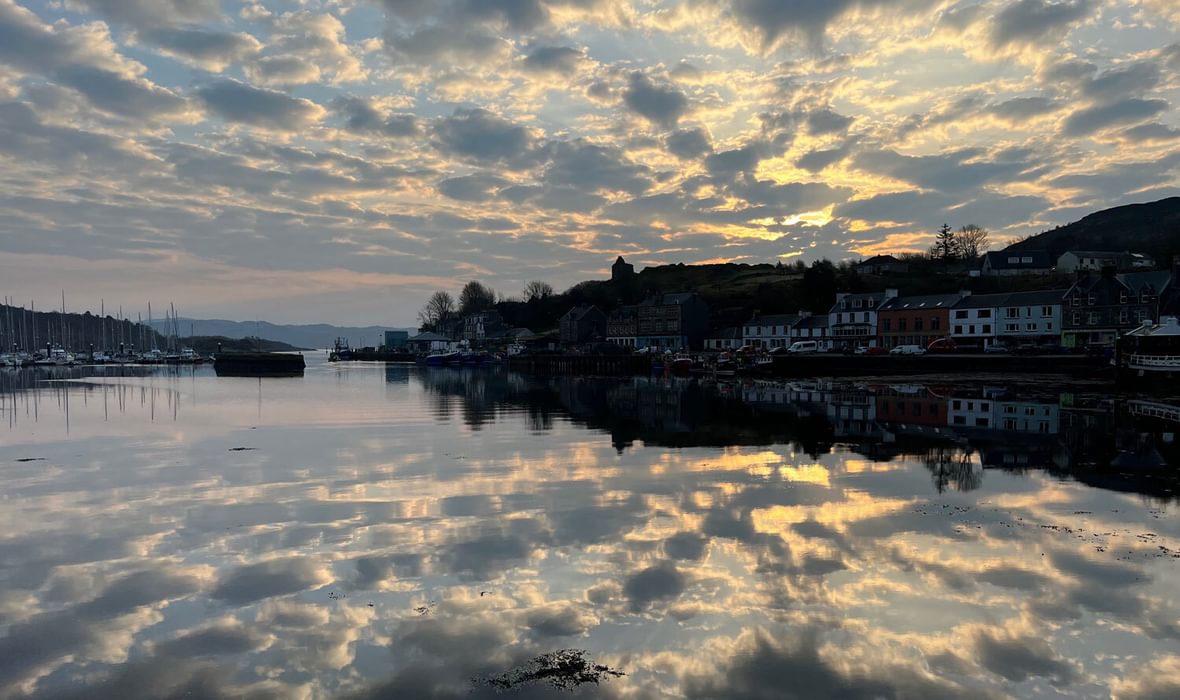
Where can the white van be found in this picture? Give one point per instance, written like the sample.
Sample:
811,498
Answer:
801,347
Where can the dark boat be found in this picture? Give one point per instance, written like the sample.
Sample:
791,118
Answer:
340,351
258,364
442,358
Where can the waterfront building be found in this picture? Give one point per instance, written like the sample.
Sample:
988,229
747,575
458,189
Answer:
724,339
622,326
672,322
1030,317
770,331
1098,308
428,342
973,319
581,324
914,320
484,326
396,340
852,320
813,327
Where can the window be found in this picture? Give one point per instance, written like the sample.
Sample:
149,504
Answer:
917,324
1122,297
1093,320
1013,312
1049,326
901,324
1014,260
856,304
1009,409
1076,300
1044,427
961,313
956,404
1030,327
958,330
1009,424
871,302
1046,311
1124,317
982,422
935,323
843,305
1077,318
983,313
1011,327
1090,299
886,323
987,329
1030,411
971,329
960,420
1027,260
983,406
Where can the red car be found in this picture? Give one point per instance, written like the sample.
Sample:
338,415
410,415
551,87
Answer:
942,345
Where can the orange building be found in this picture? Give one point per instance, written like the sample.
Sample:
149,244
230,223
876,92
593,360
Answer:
916,320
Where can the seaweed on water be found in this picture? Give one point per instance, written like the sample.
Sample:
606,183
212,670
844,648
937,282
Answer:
564,669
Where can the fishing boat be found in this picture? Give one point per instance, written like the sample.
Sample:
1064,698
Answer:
340,351
681,364
443,358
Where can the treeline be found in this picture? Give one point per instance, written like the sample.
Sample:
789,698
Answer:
30,330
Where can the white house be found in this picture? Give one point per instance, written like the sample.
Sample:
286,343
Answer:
1005,263
724,339
769,331
973,319
813,328
1074,260
969,412
852,320
1024,317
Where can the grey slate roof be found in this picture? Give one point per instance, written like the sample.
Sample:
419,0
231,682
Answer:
929,301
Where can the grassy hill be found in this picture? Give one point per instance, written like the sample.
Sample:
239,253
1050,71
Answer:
1151,227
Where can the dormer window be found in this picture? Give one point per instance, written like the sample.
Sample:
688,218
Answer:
871,302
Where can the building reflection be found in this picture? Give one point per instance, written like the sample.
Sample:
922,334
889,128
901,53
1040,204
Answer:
1118,441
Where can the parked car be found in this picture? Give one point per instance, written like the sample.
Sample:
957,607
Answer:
942,345
908,350
871,350
781,350
1027,349
803,347
997,349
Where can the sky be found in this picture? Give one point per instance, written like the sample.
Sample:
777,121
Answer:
338,160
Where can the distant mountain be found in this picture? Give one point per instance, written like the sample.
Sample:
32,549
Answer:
1152,227
318,335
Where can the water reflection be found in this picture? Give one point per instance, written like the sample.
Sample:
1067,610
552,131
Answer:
372,532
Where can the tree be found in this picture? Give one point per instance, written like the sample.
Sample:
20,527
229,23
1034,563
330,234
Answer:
440,307
537,289
476,297
971,242
944,244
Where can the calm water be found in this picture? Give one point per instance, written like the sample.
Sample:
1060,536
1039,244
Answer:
372,532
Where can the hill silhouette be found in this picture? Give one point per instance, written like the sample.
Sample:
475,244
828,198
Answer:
1150,227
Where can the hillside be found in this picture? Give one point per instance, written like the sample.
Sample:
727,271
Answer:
1151,227
318,335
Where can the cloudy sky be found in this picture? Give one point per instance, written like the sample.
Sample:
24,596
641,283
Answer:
336,160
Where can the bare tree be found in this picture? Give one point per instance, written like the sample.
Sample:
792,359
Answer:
537,289
971,241
476,297
440,307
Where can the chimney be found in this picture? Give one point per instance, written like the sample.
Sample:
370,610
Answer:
840,296
964,293
890,293
804,314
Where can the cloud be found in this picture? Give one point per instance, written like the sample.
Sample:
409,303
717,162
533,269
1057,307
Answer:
151,13
1021,658
362,116
127,97
1019,109
655,583
471,188
269,579
688,144
559,60
479,135
827,121
242,103
590,167
1029,21
662,105
1091,119
212,51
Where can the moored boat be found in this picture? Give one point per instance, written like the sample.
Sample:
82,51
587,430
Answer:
442,358
1151,351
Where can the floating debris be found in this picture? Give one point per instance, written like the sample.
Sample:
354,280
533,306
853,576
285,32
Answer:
564,669
423,609
31,459
242,449
336,596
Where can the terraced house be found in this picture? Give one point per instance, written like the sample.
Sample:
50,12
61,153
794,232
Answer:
1099,308
914,320
852,320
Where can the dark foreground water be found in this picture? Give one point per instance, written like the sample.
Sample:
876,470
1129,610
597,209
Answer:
372,532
